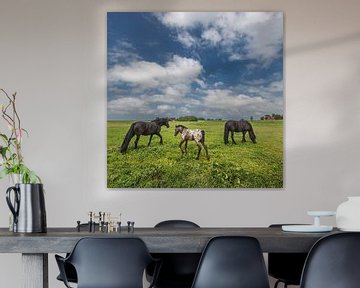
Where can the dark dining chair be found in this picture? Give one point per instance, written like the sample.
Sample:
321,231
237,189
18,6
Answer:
108,263
178,269
333,262
286,267
69,269
232,262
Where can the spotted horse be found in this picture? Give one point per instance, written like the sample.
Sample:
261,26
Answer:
196,135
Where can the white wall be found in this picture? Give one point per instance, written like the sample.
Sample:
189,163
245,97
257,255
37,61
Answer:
53,53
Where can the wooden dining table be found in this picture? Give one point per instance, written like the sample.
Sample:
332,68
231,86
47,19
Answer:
35,247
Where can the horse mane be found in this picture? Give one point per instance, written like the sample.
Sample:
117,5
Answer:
157,120
182,126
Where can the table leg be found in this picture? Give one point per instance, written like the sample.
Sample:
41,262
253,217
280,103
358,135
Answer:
35,270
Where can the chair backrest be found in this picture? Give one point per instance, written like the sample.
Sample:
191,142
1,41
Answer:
176,224
110,262
178,269
232,262
333,262
286,267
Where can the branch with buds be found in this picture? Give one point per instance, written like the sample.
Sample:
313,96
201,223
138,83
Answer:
12,160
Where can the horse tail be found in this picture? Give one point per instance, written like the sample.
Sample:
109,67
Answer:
252,133
202,136
204,145
127,139
226,134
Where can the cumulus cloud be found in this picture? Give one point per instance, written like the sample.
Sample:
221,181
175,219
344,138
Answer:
165,108
144,74
216,103
127,105
186,39
227,100
263,87
170,94
212,36
186,19
156,89
226,104
276,86
242,35
123,51
235,56
201,83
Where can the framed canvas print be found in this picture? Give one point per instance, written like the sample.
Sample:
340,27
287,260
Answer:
195,100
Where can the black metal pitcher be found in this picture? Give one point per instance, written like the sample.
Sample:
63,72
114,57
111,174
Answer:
28,208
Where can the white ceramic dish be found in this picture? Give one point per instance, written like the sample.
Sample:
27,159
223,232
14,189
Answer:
321,213
306,228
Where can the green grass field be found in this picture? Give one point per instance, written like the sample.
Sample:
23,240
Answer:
245,165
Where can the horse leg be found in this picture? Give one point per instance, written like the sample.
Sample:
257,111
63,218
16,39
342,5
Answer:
150,139
186,142
226,135
232,137
137,140
161,140
243,138
206,151
199,149
180,145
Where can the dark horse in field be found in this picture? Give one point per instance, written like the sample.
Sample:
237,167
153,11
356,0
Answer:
144,128
238,126
196,135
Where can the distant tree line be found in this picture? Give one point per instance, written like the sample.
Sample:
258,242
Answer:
189,118
194,118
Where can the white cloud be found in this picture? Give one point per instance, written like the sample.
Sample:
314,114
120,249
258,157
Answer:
217,103
226,104
223,99
156,89
137,72
186,19
201,83
126,105
170,94
212,36
235,56
186,39
176,95
182,111
276,86
123,51
262,87
259,35
165,108
144,74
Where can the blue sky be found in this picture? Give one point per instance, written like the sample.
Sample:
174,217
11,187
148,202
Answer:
226,65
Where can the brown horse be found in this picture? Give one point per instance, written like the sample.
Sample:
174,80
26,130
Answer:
144,128
238,126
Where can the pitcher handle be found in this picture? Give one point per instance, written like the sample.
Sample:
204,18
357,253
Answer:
13,208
